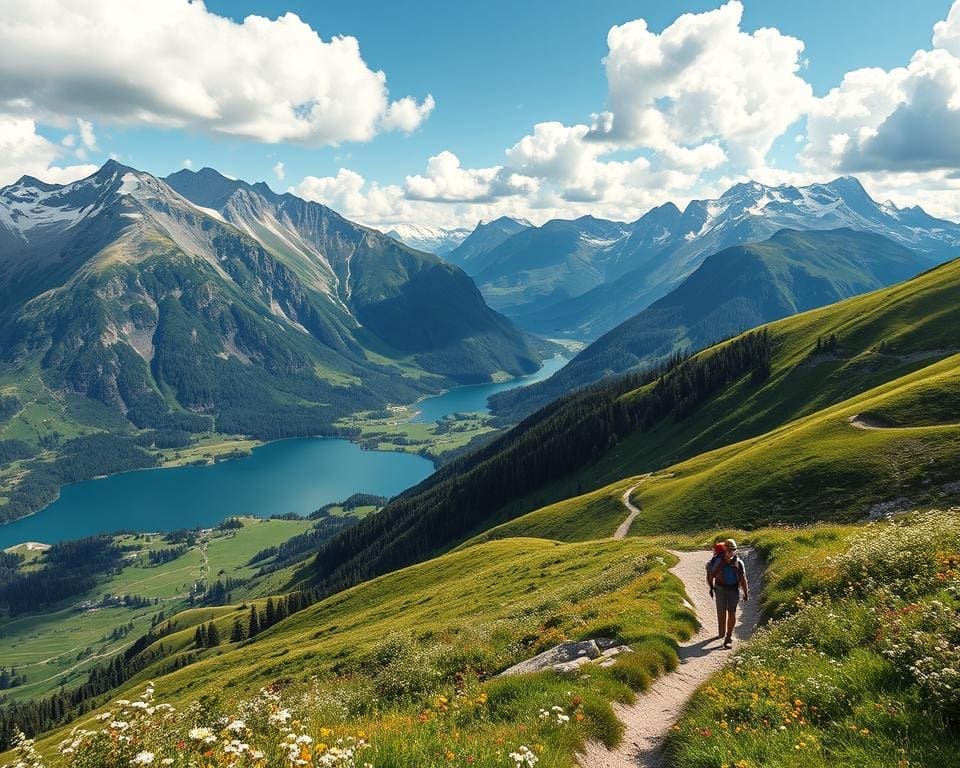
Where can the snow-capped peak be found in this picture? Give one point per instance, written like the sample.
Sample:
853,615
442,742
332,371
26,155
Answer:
426,238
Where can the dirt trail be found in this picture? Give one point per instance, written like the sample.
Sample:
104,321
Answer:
649,719
865,421
621,532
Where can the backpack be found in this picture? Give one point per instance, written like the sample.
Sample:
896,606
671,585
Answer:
730,572
712,563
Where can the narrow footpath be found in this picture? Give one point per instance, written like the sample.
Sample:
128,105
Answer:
649,719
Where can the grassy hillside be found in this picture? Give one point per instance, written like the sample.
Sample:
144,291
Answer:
893,446
735,391
405,659
860,666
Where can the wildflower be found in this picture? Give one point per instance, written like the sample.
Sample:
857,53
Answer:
199,734
236,726
142,758
524,756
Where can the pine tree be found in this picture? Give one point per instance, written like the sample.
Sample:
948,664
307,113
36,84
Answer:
254,627
271,614
236,635
200,637
213,635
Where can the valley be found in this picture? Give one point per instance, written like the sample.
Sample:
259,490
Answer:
485,385
215,478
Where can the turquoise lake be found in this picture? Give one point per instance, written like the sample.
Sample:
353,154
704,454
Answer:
473,399
298,476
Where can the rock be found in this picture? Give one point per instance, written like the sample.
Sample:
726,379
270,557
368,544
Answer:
616,651
569,657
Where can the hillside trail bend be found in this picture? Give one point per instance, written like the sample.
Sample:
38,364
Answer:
648,720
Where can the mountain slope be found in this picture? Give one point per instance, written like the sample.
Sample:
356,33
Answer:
486,236
636,423
663,247
893,446
738,288
126,306
414,302
540,266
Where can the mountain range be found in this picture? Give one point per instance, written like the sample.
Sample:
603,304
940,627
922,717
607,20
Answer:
740,287
581,278
199,303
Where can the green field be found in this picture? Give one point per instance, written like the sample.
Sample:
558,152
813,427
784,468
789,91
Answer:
58,647
393,431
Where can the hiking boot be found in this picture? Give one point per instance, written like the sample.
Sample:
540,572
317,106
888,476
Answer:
728,642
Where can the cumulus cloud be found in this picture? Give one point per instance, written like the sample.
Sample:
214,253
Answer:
406,114
923,130
279,171
24,151
176,64
897,129
946,33
701,82
445,180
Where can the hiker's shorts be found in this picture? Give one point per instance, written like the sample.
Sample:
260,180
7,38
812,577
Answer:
727,598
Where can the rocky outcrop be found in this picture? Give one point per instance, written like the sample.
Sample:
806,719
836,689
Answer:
569,657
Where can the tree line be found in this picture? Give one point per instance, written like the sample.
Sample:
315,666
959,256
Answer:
69,568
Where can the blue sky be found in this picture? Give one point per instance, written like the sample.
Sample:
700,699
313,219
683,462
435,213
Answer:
494,70
497,68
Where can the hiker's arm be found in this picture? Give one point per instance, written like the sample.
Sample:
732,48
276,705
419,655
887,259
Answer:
743,583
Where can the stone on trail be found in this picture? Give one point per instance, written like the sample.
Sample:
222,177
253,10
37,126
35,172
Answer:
569,657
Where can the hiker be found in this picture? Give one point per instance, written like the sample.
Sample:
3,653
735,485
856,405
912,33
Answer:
718,550
729,577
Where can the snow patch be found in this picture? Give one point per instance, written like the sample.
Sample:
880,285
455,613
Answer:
129,184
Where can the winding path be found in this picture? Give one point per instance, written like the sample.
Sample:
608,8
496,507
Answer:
648,720
864,421
621,532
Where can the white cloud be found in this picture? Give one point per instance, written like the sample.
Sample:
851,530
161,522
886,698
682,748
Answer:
898,130
946,33
24,151
86,134
278,171
188,163
446,180
175,64
406,115
702,81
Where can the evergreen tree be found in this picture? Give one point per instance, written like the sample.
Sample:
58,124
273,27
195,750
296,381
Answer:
236,635
271,613
200,637
213,635
253,628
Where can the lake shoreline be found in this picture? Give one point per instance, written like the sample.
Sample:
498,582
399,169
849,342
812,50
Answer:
246,448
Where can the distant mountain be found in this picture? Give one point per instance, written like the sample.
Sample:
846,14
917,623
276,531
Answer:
541,266
656,252
486,236
201,303
430,239
738,288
